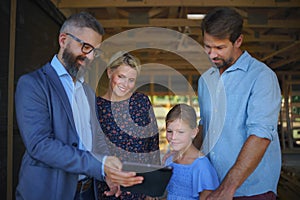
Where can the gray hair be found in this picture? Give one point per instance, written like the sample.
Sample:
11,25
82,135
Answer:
82,20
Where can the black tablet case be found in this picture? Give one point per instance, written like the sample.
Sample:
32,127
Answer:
156,178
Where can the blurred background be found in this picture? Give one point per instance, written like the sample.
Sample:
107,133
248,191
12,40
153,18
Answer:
271,34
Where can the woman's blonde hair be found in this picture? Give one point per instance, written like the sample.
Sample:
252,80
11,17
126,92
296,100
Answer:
122,57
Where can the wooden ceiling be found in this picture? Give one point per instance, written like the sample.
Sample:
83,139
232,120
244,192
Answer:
271,27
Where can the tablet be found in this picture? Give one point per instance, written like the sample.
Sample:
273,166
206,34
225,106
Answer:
156,178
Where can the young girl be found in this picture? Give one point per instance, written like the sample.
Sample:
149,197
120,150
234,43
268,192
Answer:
193,175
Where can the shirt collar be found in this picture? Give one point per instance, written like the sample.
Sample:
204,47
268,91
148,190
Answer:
58,66
61,70
241,63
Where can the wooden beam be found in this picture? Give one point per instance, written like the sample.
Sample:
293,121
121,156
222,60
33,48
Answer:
283,73
269,38
155,11
275,24
111,23
112,12
257,48
284,62
123,13
175,22
175,3
252,38
281,50
10,99
173,12
247,39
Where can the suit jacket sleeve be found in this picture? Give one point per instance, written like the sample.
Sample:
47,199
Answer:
47,127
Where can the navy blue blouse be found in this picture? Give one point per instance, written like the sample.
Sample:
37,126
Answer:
131,131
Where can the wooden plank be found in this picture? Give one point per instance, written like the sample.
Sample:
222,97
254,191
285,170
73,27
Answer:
170,3
296,43
175,22
10,100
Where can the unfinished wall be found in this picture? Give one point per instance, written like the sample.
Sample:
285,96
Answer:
37,27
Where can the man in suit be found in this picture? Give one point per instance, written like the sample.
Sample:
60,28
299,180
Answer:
55,109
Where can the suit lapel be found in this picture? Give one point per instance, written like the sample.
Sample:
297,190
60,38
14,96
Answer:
56,85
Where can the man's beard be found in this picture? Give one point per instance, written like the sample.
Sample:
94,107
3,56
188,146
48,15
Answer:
224,63
74,69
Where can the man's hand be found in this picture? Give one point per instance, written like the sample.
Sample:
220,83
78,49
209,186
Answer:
247,161
219,195
114,189
115,175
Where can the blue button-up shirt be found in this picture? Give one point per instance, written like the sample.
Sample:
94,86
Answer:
70,88
245,100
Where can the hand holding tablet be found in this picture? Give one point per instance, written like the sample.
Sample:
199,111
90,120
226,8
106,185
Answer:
156,178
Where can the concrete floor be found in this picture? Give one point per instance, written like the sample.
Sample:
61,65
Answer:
289,183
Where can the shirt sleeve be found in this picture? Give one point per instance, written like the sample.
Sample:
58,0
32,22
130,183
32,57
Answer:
103,163
204,177
263,106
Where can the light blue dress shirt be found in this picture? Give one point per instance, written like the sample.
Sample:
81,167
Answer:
81,116
245,100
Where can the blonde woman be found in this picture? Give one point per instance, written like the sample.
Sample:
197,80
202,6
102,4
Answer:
127,118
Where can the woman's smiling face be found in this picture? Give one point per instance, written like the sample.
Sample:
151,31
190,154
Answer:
122,81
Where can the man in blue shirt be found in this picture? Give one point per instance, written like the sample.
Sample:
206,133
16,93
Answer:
239,99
